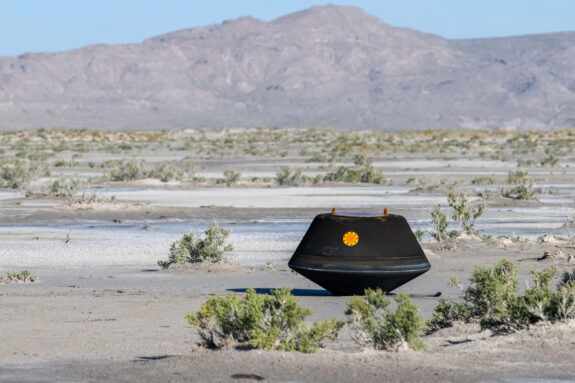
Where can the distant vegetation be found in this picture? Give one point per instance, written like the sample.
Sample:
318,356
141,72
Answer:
366,174
523,188
37,159
462,213
23,276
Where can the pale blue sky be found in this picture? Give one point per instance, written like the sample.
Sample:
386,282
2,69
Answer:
54,25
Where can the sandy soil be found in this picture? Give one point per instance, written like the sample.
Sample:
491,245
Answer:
104,311
126,323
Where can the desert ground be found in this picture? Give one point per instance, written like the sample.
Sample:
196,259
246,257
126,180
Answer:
90,213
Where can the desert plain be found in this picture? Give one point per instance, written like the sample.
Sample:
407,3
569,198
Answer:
91,212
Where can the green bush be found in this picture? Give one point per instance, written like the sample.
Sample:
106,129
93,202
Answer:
446,313
230,178
539,298
23,276
562,306
340,175
164,172
374,325
362,160
550,160
419,234
128,171
192,248
439,223
19,174
523,189
137,170
493,298
367,174
463,213
483,181
317,157
266,322
371,176
287,176
64,188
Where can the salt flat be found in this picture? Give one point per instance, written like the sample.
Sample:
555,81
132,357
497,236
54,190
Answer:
104,311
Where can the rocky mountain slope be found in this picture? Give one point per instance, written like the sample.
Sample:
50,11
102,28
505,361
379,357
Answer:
328,66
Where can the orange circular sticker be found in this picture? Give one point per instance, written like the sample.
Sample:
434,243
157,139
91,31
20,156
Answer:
350,238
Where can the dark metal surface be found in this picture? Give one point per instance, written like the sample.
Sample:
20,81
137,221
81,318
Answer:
386,255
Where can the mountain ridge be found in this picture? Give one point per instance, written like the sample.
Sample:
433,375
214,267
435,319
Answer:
326,66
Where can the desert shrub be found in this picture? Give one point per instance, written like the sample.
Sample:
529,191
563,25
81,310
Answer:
419,234
439,223
125,146
67,189
522,162
549,161
164,172
19,174
446,313
64,188
23,276
192,248
371,176
137,170
86,199
287,176
366,174
63,163
317,157
539,298
374,325
563,301
128,171
523,188
483,181
463,213
230,178
262,321
362,160
517,177
338,176
493,298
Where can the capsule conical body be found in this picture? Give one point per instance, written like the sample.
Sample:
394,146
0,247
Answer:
346,254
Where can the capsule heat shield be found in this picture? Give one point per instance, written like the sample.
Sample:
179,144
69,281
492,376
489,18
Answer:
346,254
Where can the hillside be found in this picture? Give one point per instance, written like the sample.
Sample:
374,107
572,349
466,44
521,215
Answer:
325,66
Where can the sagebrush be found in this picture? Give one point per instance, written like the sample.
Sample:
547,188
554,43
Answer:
523,188
463,213
23,276
374,325
492,300
192,247
269,322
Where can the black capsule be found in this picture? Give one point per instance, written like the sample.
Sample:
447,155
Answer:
346,254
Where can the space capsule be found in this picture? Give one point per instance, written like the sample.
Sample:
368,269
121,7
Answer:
348,253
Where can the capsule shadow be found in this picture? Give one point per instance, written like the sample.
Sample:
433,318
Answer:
295,292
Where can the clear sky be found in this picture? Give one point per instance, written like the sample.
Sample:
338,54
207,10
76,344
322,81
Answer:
55,25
